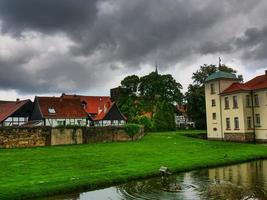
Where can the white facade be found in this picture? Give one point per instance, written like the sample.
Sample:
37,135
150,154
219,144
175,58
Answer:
60,122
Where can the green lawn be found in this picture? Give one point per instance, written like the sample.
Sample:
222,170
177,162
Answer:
31,172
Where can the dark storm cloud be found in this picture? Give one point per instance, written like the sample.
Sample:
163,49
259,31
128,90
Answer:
105,33
46,15
253,43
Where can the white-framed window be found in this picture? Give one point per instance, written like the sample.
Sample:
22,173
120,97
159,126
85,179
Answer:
249,124
258,119
226,102
213,102
51,110
236,122
61,123
72,121
256,100
235,102
248,101
228,124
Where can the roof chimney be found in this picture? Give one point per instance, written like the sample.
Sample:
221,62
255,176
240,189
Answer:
266,72
17,99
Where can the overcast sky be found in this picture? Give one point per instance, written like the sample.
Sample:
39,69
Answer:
87,46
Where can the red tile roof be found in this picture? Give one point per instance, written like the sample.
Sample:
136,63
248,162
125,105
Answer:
7,109
181,108
259,82
99,106
104,112
94,104
64,108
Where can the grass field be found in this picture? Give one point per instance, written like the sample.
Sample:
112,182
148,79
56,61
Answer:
32,172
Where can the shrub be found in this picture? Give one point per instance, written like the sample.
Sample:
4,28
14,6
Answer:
145,122
132,129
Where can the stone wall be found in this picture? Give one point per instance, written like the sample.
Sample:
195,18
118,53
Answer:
24,137
11,137
239,137
108,134
60,136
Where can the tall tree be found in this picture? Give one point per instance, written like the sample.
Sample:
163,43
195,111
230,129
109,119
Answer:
139,95
195,96
156,87
164,117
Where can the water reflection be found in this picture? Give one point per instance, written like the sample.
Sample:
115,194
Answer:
244,181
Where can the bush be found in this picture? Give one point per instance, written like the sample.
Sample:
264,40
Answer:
145,122
132,129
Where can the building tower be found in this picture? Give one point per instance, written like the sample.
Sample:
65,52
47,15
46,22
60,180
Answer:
214,85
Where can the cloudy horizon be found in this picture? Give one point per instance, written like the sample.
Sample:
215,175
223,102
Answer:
87,47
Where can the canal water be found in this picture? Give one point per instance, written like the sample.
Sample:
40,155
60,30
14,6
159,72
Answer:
245,181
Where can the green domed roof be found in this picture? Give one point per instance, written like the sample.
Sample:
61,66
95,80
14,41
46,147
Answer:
221,75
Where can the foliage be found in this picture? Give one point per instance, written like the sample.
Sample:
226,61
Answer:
164,117
155,87
32,172
132,129
130,108
139,95
130,85
145,122
195,96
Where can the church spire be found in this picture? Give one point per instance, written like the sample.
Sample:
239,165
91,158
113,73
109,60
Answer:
220,64
156,65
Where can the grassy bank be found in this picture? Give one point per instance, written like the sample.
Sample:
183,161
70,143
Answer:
31,172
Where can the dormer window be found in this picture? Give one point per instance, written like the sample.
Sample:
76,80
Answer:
51,111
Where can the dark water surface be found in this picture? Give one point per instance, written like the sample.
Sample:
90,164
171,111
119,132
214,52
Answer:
243,181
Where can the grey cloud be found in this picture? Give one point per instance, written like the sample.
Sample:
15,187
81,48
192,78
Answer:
132,33
46,16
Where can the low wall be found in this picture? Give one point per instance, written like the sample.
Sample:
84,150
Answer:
11,137
24,137
108,134
239,137
61,136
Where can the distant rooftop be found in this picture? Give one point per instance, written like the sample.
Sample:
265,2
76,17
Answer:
221,75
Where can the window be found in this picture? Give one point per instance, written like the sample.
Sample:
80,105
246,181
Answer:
51,111
256,100
72,121
248,100
235,104
258,119
249,122
226,102
214,129
212,90
214,116
61,123
228,126
236,120
213,102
